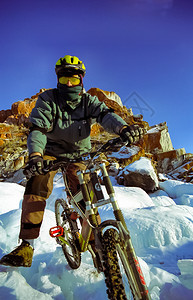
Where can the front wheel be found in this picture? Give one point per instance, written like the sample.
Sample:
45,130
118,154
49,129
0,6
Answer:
69,241
120,279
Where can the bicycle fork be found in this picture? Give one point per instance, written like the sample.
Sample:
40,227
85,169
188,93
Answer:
132,257
99,201
125,236
110,190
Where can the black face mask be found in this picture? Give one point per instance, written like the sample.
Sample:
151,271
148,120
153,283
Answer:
71,94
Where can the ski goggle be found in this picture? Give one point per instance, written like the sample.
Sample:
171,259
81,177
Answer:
73,80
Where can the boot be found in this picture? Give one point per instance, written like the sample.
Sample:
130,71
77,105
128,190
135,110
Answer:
19,257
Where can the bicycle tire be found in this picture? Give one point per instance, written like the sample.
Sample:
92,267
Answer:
70,250
117,269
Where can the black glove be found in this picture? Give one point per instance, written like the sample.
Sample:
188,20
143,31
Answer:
34,166
132,134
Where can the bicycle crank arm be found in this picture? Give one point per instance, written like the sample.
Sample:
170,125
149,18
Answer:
58,232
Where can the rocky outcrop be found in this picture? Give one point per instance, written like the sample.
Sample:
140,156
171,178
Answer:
158,139
168,159
155,146
13,152
182,168
4,114
113,101
14,128
21,110
110,98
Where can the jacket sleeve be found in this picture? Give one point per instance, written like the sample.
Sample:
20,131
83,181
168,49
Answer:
42,119
100,113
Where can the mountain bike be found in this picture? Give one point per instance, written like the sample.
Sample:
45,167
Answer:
79,229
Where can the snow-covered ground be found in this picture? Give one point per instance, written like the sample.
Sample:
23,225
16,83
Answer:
161,227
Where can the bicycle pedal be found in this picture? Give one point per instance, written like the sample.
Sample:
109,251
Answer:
56,231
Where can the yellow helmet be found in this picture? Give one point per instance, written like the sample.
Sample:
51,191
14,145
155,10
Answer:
70,64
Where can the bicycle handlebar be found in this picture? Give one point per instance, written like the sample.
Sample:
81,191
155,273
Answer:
58,163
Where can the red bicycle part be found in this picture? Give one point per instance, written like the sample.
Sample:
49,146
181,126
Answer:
56,231
74,216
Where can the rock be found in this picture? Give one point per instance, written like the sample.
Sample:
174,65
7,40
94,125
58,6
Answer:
21,111
19,162
14,128
4,114
5,131
172,154
113,169
141,174
23,107
167,159
13,148
158,139
96,129
182,169
127,155
112,100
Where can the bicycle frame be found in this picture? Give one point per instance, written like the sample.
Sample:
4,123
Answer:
91,193
92,196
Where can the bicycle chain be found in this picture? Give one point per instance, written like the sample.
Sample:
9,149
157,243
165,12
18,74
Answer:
114,283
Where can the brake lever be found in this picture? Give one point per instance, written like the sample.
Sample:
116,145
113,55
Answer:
50,165
113,142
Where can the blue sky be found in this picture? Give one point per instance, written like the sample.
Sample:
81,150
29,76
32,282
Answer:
141,49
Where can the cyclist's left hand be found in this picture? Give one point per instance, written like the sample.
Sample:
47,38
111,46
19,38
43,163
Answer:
132,133
34,166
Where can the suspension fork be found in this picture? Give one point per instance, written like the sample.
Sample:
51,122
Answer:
86,228
110,190
133,260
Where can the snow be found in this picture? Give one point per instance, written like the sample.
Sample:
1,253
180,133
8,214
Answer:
176,188
8,196
142,165
161,228
125,152
154,130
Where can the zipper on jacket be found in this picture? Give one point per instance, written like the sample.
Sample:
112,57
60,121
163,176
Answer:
79,130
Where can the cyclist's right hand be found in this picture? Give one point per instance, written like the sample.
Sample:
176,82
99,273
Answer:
34,166
132,133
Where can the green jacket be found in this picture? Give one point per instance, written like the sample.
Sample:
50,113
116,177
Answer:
62,131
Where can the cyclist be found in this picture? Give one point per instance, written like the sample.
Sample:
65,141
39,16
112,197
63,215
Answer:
61,122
